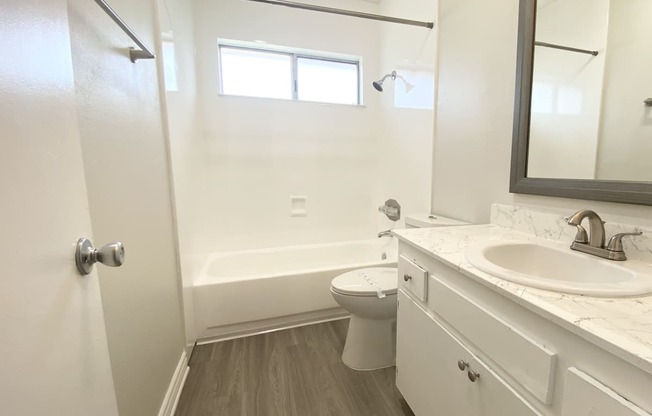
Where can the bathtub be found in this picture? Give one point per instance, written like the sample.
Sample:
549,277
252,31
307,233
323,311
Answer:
243,292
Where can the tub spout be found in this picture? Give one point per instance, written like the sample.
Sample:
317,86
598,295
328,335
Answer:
387,233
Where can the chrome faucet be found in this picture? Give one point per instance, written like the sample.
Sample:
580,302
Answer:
593,243
387,233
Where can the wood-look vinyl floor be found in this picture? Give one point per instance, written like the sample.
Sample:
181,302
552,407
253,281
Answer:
297,371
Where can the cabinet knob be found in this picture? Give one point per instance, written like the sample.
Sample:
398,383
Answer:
462,365
407,277
473,375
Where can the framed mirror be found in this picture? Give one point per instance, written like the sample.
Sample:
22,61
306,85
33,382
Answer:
583,107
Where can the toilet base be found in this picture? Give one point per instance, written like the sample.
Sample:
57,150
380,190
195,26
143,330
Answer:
370,344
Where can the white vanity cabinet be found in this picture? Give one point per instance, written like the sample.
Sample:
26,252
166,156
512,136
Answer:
434,370
522,363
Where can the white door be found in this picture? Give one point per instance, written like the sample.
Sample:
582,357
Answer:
54,355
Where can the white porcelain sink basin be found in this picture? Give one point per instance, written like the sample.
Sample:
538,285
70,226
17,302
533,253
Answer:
554,266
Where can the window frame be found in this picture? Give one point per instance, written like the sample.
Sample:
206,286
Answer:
295,55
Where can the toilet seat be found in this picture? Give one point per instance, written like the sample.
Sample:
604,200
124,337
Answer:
373,281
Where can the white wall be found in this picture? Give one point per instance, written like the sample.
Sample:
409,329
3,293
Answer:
181,118
625,145
125,159
475,94
477,69
567,91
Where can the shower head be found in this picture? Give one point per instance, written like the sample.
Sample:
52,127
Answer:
378,85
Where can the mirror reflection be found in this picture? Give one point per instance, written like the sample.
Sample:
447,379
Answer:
591,117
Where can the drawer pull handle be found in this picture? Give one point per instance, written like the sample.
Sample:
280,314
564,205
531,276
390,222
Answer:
407,277
462,365
473,375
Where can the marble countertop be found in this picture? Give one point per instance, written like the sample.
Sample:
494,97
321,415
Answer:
621,326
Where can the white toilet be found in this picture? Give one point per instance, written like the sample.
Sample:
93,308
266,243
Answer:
370,296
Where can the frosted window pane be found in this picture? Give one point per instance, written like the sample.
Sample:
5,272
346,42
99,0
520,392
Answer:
256,74
327,82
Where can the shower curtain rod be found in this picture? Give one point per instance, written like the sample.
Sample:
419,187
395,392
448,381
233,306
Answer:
314,8
134,54
566,48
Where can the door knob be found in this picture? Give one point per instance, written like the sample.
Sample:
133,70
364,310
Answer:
112,254
407,277
462,365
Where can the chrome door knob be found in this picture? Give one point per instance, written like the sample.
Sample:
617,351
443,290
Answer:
112,254
462,365
407,277
473,375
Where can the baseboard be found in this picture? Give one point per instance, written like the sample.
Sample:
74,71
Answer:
169,405
247,329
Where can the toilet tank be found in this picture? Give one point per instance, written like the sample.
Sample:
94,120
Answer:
430,220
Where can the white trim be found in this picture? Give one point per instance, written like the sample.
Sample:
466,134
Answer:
281,324
169,405
312,53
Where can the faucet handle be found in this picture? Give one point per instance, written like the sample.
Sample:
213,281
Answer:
581,237
616,242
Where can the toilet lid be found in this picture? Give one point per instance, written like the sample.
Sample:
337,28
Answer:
367,282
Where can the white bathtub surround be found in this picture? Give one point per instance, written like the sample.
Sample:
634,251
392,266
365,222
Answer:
291,148
620,326
244,292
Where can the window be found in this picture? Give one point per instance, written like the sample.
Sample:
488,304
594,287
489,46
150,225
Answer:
273,72
253,73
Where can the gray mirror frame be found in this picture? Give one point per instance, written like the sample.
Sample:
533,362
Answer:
597,190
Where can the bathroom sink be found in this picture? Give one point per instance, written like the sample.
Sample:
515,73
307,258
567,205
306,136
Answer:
553,266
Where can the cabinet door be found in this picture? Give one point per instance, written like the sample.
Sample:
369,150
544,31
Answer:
429,378
585,396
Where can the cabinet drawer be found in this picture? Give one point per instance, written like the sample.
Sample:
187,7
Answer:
412,277
585,396
429,378
527,361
